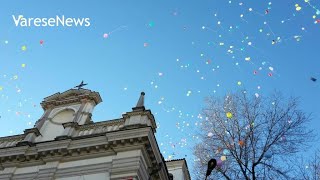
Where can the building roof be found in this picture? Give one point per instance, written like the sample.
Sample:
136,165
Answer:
70,96
172,162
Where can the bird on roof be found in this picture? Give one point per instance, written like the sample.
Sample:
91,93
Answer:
80,85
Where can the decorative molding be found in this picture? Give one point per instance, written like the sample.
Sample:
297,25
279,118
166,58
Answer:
71,96
54,150
25,143
141,113
70,124
32,130
101,124
64,137
52,115
12,138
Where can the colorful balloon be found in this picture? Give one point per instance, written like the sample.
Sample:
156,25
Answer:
229,115
241,143
223,158
298,8
268,155
24,48
219,163
151,24
225,151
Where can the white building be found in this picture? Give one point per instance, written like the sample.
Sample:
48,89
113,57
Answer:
65,144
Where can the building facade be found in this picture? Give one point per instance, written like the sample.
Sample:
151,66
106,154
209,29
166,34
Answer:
65,144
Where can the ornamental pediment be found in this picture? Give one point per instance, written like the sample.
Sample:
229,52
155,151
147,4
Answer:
71,96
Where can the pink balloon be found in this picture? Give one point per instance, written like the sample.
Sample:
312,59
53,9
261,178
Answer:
219,163
105,35
41,42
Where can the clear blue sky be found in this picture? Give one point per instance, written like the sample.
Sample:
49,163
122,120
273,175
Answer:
200,47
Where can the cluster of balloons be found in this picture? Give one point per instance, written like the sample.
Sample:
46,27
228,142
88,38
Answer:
298,8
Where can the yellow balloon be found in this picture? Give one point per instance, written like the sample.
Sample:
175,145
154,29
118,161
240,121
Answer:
229,115
298,8
223,158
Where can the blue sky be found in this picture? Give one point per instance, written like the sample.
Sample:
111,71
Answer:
177,52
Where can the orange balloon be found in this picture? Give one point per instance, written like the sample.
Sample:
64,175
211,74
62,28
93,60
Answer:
241,143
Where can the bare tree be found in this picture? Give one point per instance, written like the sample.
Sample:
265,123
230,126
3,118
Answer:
251,137
309,169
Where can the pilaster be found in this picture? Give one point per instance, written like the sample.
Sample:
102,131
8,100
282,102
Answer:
69,129
30,135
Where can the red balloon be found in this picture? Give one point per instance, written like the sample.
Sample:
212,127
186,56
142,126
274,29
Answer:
41,42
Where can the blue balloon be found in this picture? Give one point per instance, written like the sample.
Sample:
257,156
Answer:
225,152
268,155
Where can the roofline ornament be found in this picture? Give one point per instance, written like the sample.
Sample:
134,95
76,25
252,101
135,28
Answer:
80,85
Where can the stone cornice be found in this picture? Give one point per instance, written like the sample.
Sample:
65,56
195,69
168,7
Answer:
87,145
71,96
101,124
12,138
70,124
10,141
32,130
